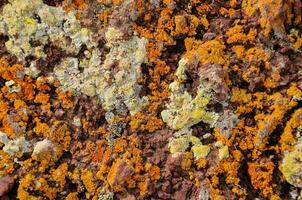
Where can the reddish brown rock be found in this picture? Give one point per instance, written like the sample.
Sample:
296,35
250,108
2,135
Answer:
6,184
184,190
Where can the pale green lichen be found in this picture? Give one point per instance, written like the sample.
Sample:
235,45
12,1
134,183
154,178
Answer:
12,86
29,22
218,144
105,195
181,69
77,122
16,146
32,71
291,166
182,141
200,151
223,152
68,72
179,145
31,25
19,146
3,138
114,81
183,110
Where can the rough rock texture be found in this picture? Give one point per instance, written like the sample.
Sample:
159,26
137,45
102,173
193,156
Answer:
158,99
6,184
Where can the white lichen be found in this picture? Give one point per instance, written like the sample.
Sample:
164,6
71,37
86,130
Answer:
18,145
42,147
12,86
226,123
77,121
105,195
32,71
3,138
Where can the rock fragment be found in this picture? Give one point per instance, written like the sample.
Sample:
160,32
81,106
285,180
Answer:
6,184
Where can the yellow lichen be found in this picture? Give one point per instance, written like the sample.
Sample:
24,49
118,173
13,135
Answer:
88,179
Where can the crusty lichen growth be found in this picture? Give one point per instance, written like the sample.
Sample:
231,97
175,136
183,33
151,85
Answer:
182,141
274,14
261,174
31,21
16,147
98,134
42,147
291,166
105,195
46,24
292,129
183,110
114,89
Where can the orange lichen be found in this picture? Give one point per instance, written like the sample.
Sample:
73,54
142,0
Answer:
186,160
103,16
136,121
41,129
153,124
59,174
115,177
201,163
240,95
43,186
88,180
267,125
260,97
42,98
273,81
153,171
149,122
9,72
128,169
229,168
22,189
28,89
210,52
203,8
275,14
185,25
236,35
120,145
143,186
104,164
287,139
6,164
31,182
65,98
72,196
42,85
233,3
261,174
80,4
